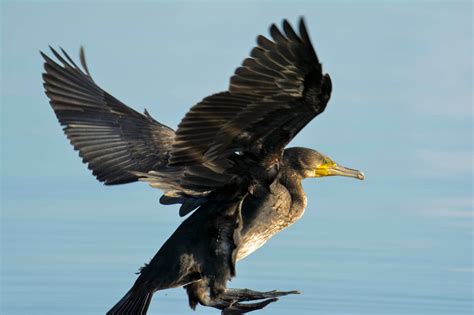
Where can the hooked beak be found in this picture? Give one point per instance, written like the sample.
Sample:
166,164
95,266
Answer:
338,170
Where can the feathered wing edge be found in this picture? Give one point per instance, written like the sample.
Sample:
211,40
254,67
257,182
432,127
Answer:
112,138
272,96
117,143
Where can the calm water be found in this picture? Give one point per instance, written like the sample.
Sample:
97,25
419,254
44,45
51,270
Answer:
400,242
74,250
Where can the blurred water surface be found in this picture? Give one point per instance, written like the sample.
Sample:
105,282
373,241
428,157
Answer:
399,242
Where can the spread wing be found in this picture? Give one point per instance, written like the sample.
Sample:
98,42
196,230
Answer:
112,138
272,96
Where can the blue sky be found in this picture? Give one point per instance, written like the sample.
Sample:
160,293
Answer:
401,111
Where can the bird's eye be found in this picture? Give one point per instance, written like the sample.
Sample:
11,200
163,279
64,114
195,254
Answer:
238,152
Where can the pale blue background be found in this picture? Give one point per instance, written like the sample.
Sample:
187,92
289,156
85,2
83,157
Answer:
398,243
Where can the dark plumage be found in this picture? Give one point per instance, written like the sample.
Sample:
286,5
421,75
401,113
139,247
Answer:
227,159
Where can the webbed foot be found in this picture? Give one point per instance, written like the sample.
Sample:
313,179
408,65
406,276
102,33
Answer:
234,296
239,308
241,295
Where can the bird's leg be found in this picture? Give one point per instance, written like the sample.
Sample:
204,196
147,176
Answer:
241,295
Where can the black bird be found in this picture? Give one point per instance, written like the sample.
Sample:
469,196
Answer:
227,162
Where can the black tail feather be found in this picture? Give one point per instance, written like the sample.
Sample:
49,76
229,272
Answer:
134,302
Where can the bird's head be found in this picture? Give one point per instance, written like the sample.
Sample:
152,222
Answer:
311,163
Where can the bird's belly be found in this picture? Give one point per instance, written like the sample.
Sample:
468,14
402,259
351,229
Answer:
251,243
262,225
258,236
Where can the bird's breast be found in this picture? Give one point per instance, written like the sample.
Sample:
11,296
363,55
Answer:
265,216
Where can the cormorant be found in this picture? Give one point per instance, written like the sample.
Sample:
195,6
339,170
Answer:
226,161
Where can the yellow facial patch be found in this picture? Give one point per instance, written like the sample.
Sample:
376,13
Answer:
323,169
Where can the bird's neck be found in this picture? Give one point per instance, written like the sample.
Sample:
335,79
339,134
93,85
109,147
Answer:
292,181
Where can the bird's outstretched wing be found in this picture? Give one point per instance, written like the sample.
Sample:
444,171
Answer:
112,138
272,96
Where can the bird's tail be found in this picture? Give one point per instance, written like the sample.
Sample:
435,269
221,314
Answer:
134,302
